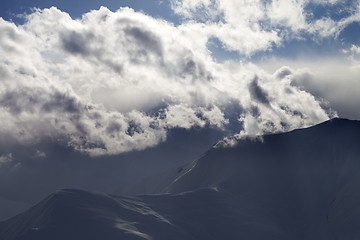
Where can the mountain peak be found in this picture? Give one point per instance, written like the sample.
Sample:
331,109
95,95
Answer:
302,184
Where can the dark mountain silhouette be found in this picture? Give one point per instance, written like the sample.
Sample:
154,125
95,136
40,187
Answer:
303,184
28,178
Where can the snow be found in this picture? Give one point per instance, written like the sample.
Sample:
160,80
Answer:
298,185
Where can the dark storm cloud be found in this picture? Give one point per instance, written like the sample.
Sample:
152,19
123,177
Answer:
63,102
40,102
145,39
133,128
190,67
76,42
12,101
113,127
33,99
86,44
255,111
257,93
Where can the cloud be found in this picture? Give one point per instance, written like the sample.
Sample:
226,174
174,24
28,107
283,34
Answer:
4,159
353,55
251,26
39,154
287,13
113,82
355,49
76,43
257,93
333,80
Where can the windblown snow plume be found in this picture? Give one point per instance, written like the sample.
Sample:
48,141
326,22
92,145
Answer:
113,82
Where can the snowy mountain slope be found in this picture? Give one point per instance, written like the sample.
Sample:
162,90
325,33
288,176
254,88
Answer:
77,214
38,169
307,180
320,153
299,185
11,208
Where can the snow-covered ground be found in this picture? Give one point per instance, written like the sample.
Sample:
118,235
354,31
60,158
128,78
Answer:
299,185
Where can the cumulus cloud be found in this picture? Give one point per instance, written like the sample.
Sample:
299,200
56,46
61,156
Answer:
331,79
113,82
251,26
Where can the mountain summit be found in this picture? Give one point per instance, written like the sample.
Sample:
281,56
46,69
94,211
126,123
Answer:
302,184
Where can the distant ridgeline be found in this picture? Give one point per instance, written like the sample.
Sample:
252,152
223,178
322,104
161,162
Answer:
304,184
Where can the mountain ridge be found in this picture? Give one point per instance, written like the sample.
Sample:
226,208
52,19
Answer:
298,185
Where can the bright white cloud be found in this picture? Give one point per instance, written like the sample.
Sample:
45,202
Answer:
113,82
252,26
334,79
287,13
355,49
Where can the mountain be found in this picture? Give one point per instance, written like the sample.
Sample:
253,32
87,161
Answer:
77,214
304,184
35,170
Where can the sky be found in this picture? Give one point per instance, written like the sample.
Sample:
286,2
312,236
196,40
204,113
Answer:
109,77
89,81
